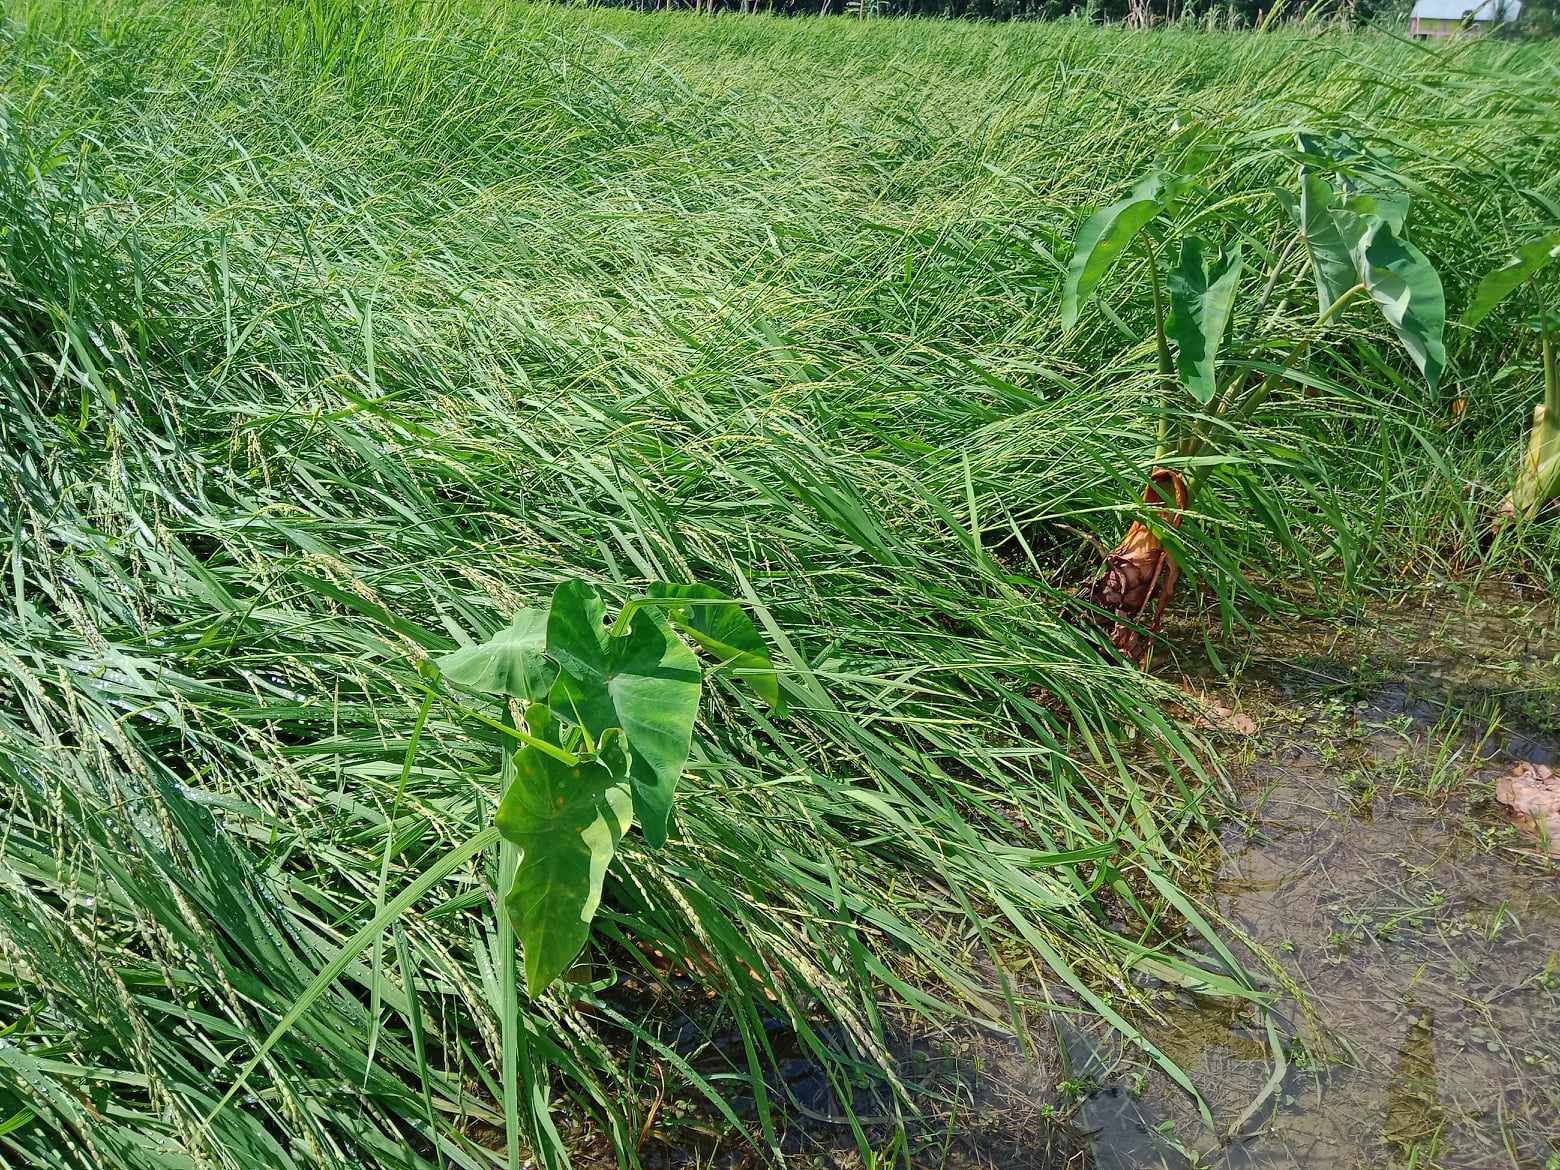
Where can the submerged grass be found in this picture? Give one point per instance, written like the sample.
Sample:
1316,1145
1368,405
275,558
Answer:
333,334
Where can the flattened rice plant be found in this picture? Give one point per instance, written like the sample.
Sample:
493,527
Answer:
328,346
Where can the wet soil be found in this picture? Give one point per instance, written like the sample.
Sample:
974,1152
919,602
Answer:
1412,935
1407,932
982,1104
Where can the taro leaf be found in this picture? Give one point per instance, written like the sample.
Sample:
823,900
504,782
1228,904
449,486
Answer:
1181,184
1331,261
1406,288
1102,239
645,681
723,629
1497,285
1202,295
1356,167
1287,200
567,822
511,662
1336,146
1391,206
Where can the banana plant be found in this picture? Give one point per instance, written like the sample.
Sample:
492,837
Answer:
1350,215
1538,475
606,718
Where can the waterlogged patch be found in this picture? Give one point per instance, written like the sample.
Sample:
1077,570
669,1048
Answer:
1532,793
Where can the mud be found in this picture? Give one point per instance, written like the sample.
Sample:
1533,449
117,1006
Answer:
1407,932
1413,933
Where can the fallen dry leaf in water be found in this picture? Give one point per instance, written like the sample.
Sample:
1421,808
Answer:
1211,716
1532,792
1233,722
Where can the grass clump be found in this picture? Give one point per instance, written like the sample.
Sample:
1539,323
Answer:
334,338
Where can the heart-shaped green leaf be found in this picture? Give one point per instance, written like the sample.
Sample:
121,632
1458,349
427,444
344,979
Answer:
1498,285
1102,239
1391,206
567,822
723,629
645,681
1202,296
1357,168
1331,261
511,662
1405,286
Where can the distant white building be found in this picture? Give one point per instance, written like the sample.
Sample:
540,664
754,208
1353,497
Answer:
1450,18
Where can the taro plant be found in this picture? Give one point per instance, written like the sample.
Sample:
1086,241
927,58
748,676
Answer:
1350,212
1538,475
597,723
605,723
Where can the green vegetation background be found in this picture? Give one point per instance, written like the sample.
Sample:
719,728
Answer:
333,334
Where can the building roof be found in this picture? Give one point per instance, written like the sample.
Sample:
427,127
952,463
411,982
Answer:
1507,10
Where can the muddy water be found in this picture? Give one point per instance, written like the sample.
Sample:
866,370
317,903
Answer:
1416,935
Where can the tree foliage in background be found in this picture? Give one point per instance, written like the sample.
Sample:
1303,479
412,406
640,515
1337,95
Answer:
1204,13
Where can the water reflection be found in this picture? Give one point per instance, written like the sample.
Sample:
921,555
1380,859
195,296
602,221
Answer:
1424,938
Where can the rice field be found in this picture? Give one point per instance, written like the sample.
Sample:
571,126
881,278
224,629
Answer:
335,334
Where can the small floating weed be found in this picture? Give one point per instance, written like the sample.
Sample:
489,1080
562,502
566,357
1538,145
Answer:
1362,787
1165,1132
1300,1056
1497,921
1549,977
1077,1088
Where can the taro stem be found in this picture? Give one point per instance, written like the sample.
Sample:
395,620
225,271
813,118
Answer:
1133,591
1168,387
1135,586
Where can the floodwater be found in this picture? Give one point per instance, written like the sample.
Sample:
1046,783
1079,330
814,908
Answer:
1415,934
